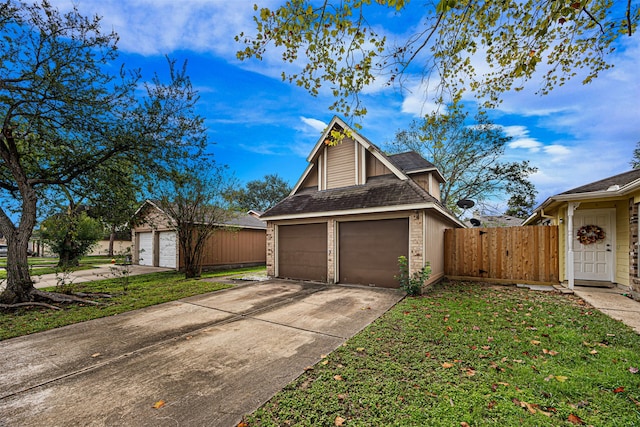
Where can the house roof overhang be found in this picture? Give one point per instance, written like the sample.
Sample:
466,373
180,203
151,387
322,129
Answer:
374,210
553,202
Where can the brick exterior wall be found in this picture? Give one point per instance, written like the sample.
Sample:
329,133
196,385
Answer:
416,244
271,249
331,251
634,281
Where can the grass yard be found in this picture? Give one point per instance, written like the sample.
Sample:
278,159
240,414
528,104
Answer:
142,291
472,355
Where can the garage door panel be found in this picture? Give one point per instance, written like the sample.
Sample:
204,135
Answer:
302,251
167,249
369,251
145,242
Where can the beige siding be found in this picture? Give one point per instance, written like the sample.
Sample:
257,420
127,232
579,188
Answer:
622,243
234,247
312,178
375,167
434,245
341,165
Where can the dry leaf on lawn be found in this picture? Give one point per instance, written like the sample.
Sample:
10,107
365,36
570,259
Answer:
447,365
574,419
159,404
339,421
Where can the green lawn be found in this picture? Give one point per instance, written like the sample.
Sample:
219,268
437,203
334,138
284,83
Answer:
469,354
142,291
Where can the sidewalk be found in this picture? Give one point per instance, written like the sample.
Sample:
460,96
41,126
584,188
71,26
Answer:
101,271
613,303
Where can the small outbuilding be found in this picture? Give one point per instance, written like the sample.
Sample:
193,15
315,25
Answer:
354,211
239,241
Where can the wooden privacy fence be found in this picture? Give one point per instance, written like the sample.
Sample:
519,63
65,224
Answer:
505,255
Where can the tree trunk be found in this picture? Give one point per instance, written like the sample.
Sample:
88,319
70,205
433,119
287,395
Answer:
112,238
19,284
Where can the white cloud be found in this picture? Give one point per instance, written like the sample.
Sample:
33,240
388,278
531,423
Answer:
315,124
527,143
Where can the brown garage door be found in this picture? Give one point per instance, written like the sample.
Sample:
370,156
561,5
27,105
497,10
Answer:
369,251
302,251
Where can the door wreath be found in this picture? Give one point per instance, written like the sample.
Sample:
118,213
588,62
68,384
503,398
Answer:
588,234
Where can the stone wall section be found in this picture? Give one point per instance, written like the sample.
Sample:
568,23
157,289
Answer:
416,242
331,251
271,249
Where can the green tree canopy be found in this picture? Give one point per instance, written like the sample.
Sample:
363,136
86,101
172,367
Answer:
64,114
71,235
450,41
259,194
469,156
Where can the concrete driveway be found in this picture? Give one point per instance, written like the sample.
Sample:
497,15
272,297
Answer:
211,358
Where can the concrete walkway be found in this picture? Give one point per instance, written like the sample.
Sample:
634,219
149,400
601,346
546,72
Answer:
613,303
102,271
210,359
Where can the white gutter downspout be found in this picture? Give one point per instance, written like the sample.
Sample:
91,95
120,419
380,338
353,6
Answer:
570,257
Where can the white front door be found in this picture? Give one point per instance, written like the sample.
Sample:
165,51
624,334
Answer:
594,261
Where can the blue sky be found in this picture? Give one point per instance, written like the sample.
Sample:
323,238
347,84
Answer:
260,125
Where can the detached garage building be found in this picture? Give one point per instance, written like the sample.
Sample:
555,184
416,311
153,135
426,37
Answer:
354,211
240,241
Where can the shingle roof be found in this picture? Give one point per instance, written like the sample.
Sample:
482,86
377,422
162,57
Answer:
380,191
410,161
246,221
604,184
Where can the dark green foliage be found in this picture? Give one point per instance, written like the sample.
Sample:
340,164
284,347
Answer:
71,236
259,195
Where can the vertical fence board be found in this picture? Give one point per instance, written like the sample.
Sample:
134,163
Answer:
517,254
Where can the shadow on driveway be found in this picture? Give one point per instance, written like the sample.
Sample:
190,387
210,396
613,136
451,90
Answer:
211,358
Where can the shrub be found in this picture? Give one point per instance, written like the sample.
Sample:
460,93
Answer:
412,284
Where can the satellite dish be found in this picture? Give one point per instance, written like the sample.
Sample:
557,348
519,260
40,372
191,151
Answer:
465,203
475,222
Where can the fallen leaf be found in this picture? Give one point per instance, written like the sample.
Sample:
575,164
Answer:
242,424
618,390
471,372
464,424
339,421
159,404
561,378
308,368
338,378
447,365
189,337
342,396
593,352
325,362
360,349
574,419
95,354
535,342
633,370
476,328
428,393
486,347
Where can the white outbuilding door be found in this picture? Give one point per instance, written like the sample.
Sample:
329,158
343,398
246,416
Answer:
167,249
145,242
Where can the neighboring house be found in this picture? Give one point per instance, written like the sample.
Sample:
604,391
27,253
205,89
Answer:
354,211
240,241
598,231
122,244
493,221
